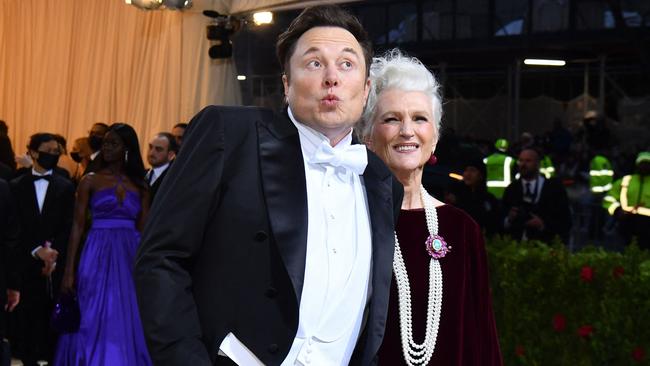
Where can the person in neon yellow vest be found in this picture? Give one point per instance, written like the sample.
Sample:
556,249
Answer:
629,202
546,167
499,169
601,174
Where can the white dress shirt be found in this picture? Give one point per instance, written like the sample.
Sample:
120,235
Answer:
337,265
156,172
40,186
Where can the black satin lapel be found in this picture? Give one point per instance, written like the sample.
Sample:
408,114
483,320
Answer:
50,196
283,182
379,191
29,193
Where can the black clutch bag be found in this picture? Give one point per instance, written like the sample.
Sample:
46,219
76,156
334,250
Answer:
66,315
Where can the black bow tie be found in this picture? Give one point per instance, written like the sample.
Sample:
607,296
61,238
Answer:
39,177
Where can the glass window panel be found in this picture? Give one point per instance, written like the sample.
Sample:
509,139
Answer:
510,16
373,19
402,23
550,15
437,20
472,18
590,14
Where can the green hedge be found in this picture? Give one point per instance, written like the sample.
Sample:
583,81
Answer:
554,307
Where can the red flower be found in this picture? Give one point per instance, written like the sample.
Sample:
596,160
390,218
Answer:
587,274
638,354
559,322
585,331
618,272
520,351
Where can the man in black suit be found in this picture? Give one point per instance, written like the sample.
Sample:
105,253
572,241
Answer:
44,204
536,207
95,140
162,150
271,241
9,292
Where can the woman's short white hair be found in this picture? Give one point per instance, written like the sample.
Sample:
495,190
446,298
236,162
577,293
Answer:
395,70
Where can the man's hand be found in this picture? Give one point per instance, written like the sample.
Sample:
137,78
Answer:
513,213
48,268
47,254
535,223
13,298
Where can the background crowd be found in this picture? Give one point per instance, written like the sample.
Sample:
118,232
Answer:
579,202
44,223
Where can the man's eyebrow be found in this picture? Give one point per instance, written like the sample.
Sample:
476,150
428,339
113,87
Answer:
316,49
351,50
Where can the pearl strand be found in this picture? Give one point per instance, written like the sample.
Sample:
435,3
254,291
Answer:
414,353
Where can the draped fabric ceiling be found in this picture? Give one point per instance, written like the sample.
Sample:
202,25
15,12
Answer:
66,64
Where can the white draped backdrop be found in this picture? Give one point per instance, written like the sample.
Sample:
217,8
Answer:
66,64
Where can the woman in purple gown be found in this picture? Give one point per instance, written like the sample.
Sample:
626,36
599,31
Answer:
440,308
110,332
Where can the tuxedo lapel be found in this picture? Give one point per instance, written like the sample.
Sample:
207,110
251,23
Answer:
283,180
28,193
50,198
378,184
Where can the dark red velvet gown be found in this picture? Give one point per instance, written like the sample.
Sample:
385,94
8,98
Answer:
467,333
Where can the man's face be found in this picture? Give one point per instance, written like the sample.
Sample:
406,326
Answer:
528,164
50,147
178,133
327,87
96,136
159,153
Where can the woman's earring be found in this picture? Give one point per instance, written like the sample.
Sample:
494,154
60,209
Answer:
432,160
126,156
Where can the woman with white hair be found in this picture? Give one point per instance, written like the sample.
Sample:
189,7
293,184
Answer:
447,319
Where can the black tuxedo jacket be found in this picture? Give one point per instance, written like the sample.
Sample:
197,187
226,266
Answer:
224,247
552,208
53,224
153,189
93,166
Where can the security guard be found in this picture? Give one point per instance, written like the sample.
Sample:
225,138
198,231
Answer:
546,167
601,175
629,202
499,169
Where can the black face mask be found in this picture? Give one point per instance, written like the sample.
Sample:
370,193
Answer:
95,142
46,160
76,157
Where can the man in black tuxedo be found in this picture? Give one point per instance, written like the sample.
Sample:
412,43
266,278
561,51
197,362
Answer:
95,140
271,241
9,293
162,150
536,207
44,204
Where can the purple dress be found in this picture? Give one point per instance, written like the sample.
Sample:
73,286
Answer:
110,332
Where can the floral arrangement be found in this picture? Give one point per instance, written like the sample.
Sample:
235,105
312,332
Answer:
554,307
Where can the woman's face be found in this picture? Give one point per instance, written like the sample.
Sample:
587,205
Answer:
404,134
112,147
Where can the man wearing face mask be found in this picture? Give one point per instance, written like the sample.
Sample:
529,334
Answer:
95,139
44,203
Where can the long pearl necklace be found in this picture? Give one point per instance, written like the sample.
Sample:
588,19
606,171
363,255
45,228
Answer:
414,353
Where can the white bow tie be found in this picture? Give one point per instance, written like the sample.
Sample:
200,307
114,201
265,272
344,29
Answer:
353,158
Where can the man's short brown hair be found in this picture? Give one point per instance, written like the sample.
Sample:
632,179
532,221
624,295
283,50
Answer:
321,16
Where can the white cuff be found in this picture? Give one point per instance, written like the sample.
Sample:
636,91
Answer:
36,250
